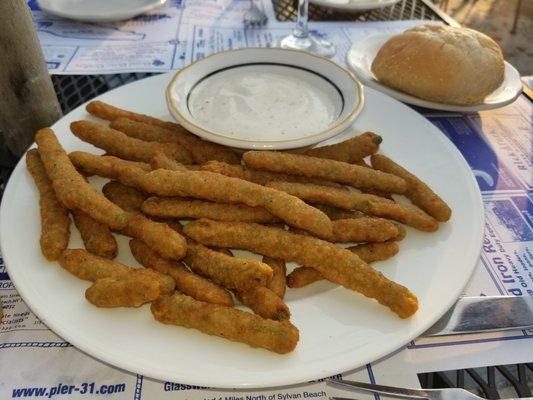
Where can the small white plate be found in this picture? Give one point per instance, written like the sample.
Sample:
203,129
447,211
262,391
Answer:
98,10
260,98
360,56
355,5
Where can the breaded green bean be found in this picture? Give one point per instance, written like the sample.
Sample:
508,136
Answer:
107,111
314,167
127,198
350,150
91,164
228,271
334,263
201,150
223,189
133,289
176,207
187,282
418,192
55,222
121,145
367,203
89,267
97,237
72,190
157,235
278,282
260,177
335,213
368,252
226,322
364,229
265,303
161,160
125,172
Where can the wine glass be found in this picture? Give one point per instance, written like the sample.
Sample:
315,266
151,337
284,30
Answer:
301,39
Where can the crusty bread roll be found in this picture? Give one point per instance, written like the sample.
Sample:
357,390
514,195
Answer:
441,63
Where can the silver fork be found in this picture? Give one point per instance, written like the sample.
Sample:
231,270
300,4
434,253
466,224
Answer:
429,394
254,16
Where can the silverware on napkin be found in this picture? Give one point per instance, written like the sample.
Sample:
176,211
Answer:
485,314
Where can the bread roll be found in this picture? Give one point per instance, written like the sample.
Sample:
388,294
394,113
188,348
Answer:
441,63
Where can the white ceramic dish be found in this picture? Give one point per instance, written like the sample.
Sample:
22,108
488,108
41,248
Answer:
259,98
360,56
339,329
98,10
354,5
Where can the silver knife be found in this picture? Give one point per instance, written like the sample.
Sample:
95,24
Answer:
485,314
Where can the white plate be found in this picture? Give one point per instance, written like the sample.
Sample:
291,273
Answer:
355,5
98,10
259,98
360,56
339,329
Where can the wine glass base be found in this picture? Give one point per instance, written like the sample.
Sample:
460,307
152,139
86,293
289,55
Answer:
311,43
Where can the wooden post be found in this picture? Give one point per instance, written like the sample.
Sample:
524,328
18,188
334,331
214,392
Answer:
27,98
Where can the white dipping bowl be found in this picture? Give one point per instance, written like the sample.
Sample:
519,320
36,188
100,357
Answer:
265,98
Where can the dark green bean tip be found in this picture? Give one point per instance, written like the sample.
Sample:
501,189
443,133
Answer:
377,139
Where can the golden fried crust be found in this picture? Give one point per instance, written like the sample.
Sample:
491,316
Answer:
368,252
55,222
364,229
228,271
161,160
418,192
127,198
97,237
278,282
121,145
92,164
201,150
71,188
372,252
226,322
133,289
335,213
175,207
350,150
303,276
266,303
187,282
367,203
334,263
89,267
260,177
314,167
110,113
219,188
157,235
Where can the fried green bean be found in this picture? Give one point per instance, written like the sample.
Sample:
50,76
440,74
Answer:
55,222
121,145
176,207
351,150
187,282
72,190
314,167
226,322
334,263
97,237
418,192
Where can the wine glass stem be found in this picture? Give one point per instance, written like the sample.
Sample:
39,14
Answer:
301,30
